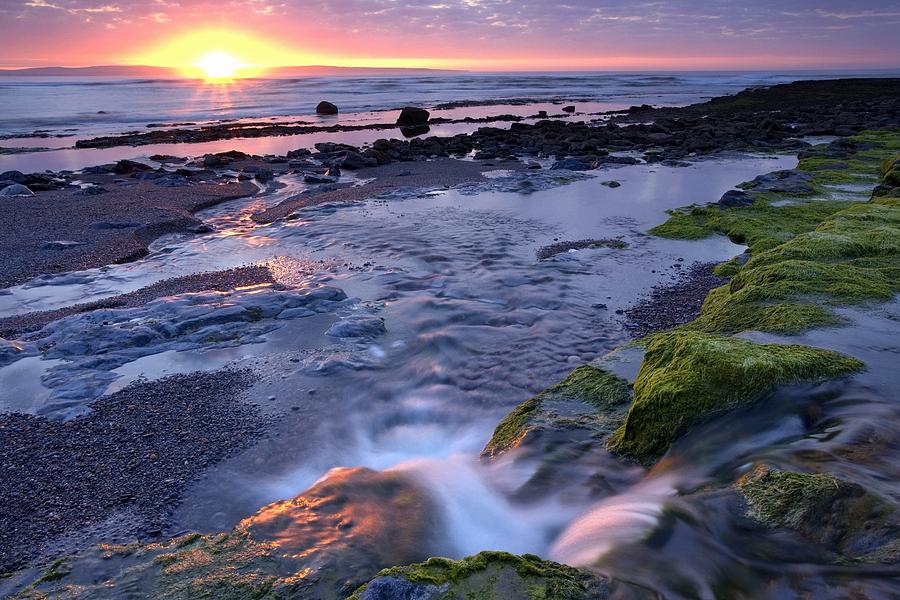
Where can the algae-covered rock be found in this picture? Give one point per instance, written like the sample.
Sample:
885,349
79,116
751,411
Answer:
840,515
807,255
494,575
585,400
319,545
689,377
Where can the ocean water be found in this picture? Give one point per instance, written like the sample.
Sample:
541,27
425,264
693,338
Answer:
90,105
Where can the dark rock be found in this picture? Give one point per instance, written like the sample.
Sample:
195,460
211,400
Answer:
354,160
357,327
326,108
734,198
128,167
93,190
411,115
314,179
114,225
611,184
570,164
299,153
263,174
568,109
787,181
14,176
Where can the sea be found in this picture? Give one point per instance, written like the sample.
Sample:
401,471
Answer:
62,110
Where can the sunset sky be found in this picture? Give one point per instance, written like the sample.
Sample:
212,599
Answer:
469,34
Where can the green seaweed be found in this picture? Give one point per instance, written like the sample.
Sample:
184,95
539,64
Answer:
836,513
689,377
505,572
587,383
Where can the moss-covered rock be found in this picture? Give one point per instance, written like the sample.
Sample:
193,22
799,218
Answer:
838,514
689,377
320,545
487,575
806,254
586,399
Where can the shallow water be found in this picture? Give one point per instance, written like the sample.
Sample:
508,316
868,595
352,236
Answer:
474,325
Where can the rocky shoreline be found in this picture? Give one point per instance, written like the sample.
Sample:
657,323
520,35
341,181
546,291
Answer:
811,251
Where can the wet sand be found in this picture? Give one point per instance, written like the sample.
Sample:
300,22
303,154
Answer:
58,231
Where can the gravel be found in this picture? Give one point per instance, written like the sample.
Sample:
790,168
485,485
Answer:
134,453
558,248
675,304
109,228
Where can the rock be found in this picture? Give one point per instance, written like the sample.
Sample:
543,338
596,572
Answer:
315,179
735,198
127,167
93,190
489,575
263,174
326,108
358,327
324,543
786,182
62,244
411,115
841,515
333,171
570,164
299,153
354,160
14,176
114,225
16,190
568,109
611,184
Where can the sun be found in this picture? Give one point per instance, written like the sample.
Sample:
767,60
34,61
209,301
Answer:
218,65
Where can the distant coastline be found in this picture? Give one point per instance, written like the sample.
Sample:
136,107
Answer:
166,72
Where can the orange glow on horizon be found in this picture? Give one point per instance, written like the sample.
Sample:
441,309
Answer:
220,55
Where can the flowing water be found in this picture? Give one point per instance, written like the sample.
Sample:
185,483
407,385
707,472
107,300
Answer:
473,325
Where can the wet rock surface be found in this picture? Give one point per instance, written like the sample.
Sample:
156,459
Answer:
133,454
319,545
16,326
92,344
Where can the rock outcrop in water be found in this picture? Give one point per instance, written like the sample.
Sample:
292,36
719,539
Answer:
486,575
320,545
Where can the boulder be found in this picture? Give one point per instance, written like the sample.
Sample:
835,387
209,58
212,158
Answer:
326,108
413,116
570,164
355,160
357,327
734,198
14,176
322,544
568,109
15,190
127,167
785,182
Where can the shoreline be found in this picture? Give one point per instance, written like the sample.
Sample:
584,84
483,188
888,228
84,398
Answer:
674,135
